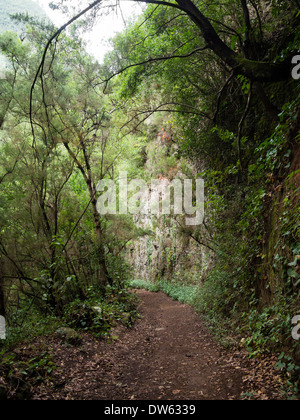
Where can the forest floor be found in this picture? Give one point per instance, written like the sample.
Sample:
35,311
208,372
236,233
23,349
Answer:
169,354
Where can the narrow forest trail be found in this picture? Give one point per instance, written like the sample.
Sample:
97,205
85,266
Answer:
168,355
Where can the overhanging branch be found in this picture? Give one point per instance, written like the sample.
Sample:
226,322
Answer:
254,70
40,70
151,60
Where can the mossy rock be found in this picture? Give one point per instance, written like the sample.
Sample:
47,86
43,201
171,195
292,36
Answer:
126,318
69,336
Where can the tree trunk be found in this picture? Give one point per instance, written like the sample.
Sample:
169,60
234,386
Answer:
104,276
88,178
254,70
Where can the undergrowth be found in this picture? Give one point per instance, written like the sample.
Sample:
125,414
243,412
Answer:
24,364
177,291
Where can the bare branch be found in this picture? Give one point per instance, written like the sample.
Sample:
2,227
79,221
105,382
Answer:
40,70
148,17
151,60
9,172
220,95
201,243
254,5
246,17
241,126
158,29
159,108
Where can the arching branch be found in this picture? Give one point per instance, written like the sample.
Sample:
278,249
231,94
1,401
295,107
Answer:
152,60
240,127
40,70
254,70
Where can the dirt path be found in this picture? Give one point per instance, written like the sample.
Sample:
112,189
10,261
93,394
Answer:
168,355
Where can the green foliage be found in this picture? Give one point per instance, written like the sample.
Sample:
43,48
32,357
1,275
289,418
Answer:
176,290
19,375
25,323
39,366
142,284
99,315
52,250
82,315
267,329
286,363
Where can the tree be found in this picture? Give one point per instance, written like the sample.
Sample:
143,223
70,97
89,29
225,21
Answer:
241,64
39,209
81,128
234,37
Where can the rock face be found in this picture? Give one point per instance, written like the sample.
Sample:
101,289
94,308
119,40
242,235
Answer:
168,254
171,252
